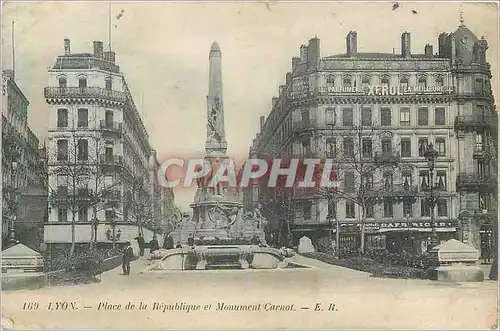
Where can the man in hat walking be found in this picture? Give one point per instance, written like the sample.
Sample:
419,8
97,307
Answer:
127,256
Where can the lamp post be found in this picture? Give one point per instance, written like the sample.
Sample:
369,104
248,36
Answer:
13,204
431,154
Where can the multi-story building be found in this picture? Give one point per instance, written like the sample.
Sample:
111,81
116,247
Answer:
24,197
389,107
100,159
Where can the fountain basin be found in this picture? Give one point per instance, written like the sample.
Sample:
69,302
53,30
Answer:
223,256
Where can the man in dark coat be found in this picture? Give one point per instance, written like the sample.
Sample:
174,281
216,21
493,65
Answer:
127,256
190,240
168,243
153,245
141,242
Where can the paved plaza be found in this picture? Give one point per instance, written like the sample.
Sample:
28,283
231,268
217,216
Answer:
288,298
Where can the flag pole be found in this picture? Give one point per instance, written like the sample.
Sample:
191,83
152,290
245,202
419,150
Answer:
109,27
13,53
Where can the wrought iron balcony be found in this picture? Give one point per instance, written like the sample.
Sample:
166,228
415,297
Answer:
387,158
84,93
111,159
476,123
469,182
305,191
112,195
393,191
111,126
480,153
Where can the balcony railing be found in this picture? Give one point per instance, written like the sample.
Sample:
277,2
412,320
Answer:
110,159
111,126
478,123
84,92
112,195
396,191
387,158
476,183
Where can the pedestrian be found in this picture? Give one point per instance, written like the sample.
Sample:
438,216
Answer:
141,243
153,245
168,243
178,245
127,256
190,240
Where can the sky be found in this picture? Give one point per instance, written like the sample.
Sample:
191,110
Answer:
162,49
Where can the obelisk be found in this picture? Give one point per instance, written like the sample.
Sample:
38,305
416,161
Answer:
216,145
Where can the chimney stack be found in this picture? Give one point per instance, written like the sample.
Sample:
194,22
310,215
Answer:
67,46
303,53
352,43
405,45
274,100
295,62
288,79
428,49
110,56
98,49
282,89
313,53
442,44
262,121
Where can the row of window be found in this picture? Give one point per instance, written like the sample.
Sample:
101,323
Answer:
366,148
407,181
82,150
385,117
348,81
83,215
82,119
82,82
366,81
388,209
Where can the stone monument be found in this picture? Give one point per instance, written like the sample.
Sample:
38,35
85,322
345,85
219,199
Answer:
22,268
223,236
457,262
218,208
305,245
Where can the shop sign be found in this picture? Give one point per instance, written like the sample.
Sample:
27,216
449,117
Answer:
400,225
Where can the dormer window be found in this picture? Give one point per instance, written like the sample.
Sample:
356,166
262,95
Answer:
347,81
365,83
82,82
63,83
403,82
384,81
422,82
330,81
439,81
109,83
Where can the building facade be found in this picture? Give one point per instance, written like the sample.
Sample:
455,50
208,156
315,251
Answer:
24,198
376,115
100,162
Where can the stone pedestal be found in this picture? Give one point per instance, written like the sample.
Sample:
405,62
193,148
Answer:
457,262
22,268
459,272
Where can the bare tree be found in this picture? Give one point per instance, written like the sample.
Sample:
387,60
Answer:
138,202
81,169
364,169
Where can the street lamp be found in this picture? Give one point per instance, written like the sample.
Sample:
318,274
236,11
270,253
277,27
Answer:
13,210
431,154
